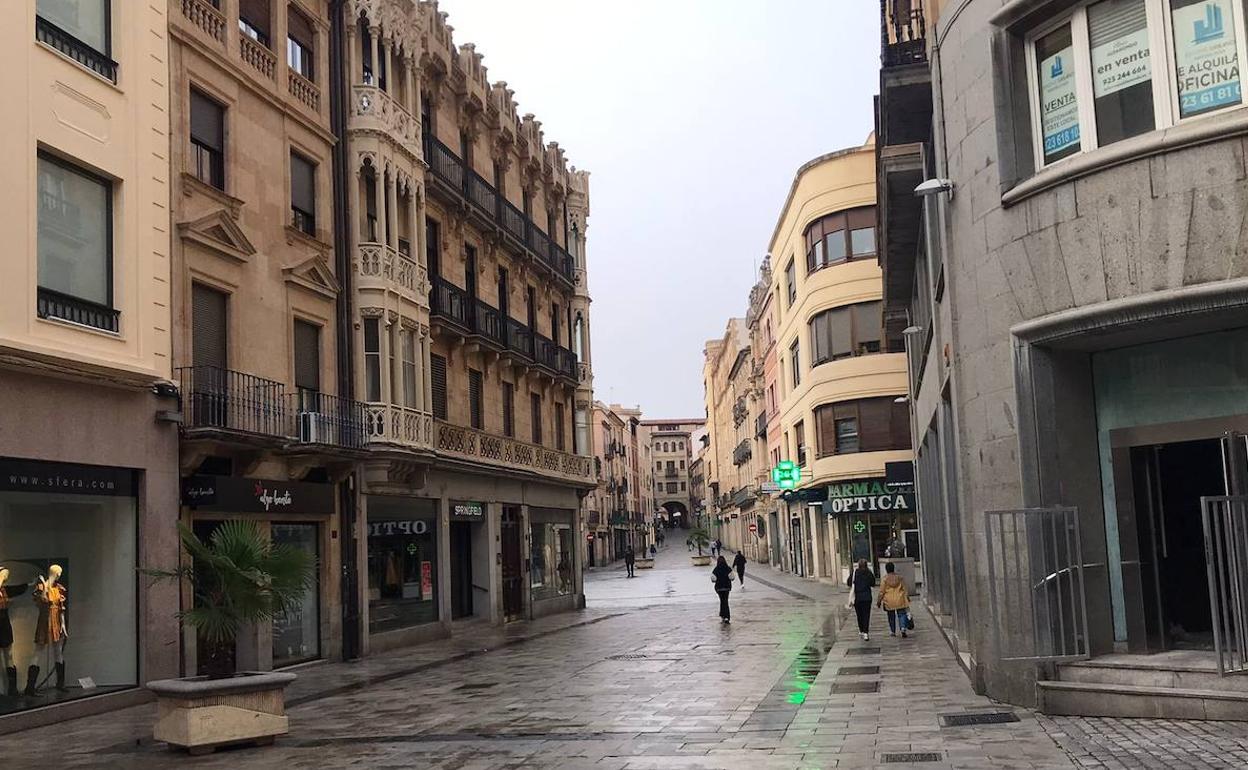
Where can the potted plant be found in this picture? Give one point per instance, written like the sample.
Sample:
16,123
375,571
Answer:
238,577
701,539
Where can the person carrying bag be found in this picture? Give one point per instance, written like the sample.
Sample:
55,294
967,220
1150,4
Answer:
895,599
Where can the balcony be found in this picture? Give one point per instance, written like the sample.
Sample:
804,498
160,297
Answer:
374,110
390,425
903,33
382,268
760,426
742,453
261,59
463,185
305,91
207,17
216,400
449,302
480,448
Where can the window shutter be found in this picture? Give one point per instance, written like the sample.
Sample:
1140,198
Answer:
208,327
207,122
509,410
437,373
875,424
307,356
825,430
474,399
901,426
868,324
300,28
841,332
535,406
559,427
302,183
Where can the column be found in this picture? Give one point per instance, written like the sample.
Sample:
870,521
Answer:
444,563
426,404
392,209
379,198
356,178
373,33
386,342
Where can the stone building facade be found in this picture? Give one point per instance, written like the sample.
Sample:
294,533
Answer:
670,443
1073,285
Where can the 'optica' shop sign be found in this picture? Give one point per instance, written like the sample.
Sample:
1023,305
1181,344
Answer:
867,496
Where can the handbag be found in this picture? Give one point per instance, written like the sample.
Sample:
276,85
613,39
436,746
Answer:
909,622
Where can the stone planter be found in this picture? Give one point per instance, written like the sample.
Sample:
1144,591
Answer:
199,714
701,561
645,564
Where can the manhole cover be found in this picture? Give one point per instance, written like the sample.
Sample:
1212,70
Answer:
912,756
863,651
857,670
628,656
477,686
966,720
855,687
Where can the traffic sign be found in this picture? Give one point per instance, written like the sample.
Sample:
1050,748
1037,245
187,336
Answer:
753,527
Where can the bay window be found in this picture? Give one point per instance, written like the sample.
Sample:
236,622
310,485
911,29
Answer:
840,237
1114,69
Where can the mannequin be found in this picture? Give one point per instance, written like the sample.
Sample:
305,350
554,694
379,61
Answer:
50,629
6,632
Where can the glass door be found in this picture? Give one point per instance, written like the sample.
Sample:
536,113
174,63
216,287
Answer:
297,634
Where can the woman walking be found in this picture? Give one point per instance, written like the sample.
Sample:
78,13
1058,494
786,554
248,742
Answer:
895,599
722,575
862,580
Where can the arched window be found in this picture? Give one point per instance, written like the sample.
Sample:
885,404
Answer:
579,337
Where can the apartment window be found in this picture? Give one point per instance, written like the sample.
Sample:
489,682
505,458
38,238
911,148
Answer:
372,359
303,193
307,357
75,245
255,19
209,330
1091,72
838,237
682,465
208,140
476,409
799,431
658,465
851,330
433,246
795,363
407,341
437,374
682,486
509,410
671,487
81,29
535,412
559,441
865,425
300,35
790,281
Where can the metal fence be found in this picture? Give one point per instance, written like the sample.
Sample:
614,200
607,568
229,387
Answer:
1036,582
1225,521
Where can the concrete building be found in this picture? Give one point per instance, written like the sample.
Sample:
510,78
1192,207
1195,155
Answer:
839,375
1073,288
88,444
670,452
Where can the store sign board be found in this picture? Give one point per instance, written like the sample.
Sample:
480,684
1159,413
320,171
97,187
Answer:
1059,108
397,527
233,494
1206,57
867,496
35,476
468,511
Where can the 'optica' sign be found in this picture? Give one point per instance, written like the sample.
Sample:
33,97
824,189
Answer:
867,496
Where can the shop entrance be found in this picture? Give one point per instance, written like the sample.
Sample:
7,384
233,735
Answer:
513,573
461,569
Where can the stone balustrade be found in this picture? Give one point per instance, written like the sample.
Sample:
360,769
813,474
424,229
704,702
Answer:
372,109
480,447
381,267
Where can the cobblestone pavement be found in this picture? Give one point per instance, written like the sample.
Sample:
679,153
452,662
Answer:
647,677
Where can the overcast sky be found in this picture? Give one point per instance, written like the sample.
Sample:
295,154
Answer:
692,117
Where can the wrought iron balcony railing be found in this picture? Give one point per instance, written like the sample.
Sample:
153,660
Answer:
53,304
320,418
48,33
742,453
450,302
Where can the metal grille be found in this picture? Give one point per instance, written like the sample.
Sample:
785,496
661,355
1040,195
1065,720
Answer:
1226,556
1036,583
857,670
967,720
863,651
627,656
912,756
842,688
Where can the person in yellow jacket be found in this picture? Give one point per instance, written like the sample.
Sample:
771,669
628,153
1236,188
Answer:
895,599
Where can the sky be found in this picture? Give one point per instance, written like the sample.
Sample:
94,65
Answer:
692,117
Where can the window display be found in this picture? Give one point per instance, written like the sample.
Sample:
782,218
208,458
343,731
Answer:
68,623
551,556
402,562
297,634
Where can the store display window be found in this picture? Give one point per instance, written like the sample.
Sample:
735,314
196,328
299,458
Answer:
402,562
550,559
297,634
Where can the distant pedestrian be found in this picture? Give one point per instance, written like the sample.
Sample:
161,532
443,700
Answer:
895,599
738,563
722,576
653,551
862,580
630,561
689,544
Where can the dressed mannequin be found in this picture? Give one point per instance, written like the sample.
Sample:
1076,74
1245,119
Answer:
6,631
50,629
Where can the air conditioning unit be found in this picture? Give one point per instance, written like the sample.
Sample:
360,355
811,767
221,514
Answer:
315,428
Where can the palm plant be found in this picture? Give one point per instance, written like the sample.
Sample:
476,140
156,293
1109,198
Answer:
700,538
238,576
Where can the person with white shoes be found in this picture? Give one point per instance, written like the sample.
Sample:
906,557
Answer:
862,580
895,599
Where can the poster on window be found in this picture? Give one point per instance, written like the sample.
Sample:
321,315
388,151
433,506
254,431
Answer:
1120,63
1059,109
1206,57
426,578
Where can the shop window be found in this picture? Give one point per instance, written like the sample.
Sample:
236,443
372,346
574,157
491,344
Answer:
303,194
208,140
75,245
402,563
852,330
550,559
88,542
476,407
300,35
372,359
1102,54
437,374
297,633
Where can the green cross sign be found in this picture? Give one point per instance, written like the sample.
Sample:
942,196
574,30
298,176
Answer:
411,548
860,527
786,474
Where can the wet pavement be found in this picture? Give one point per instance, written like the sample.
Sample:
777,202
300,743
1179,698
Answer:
646,677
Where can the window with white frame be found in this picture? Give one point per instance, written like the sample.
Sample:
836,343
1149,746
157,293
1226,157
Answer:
1114,69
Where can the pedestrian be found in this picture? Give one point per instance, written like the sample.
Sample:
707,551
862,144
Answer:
652,550
862,580
738,564
689,544
895,599
722,577
630,560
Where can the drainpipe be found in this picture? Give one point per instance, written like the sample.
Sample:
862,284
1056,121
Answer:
338,58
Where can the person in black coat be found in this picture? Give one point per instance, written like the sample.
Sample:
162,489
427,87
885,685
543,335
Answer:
722,575
738,563
862,580
630,561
